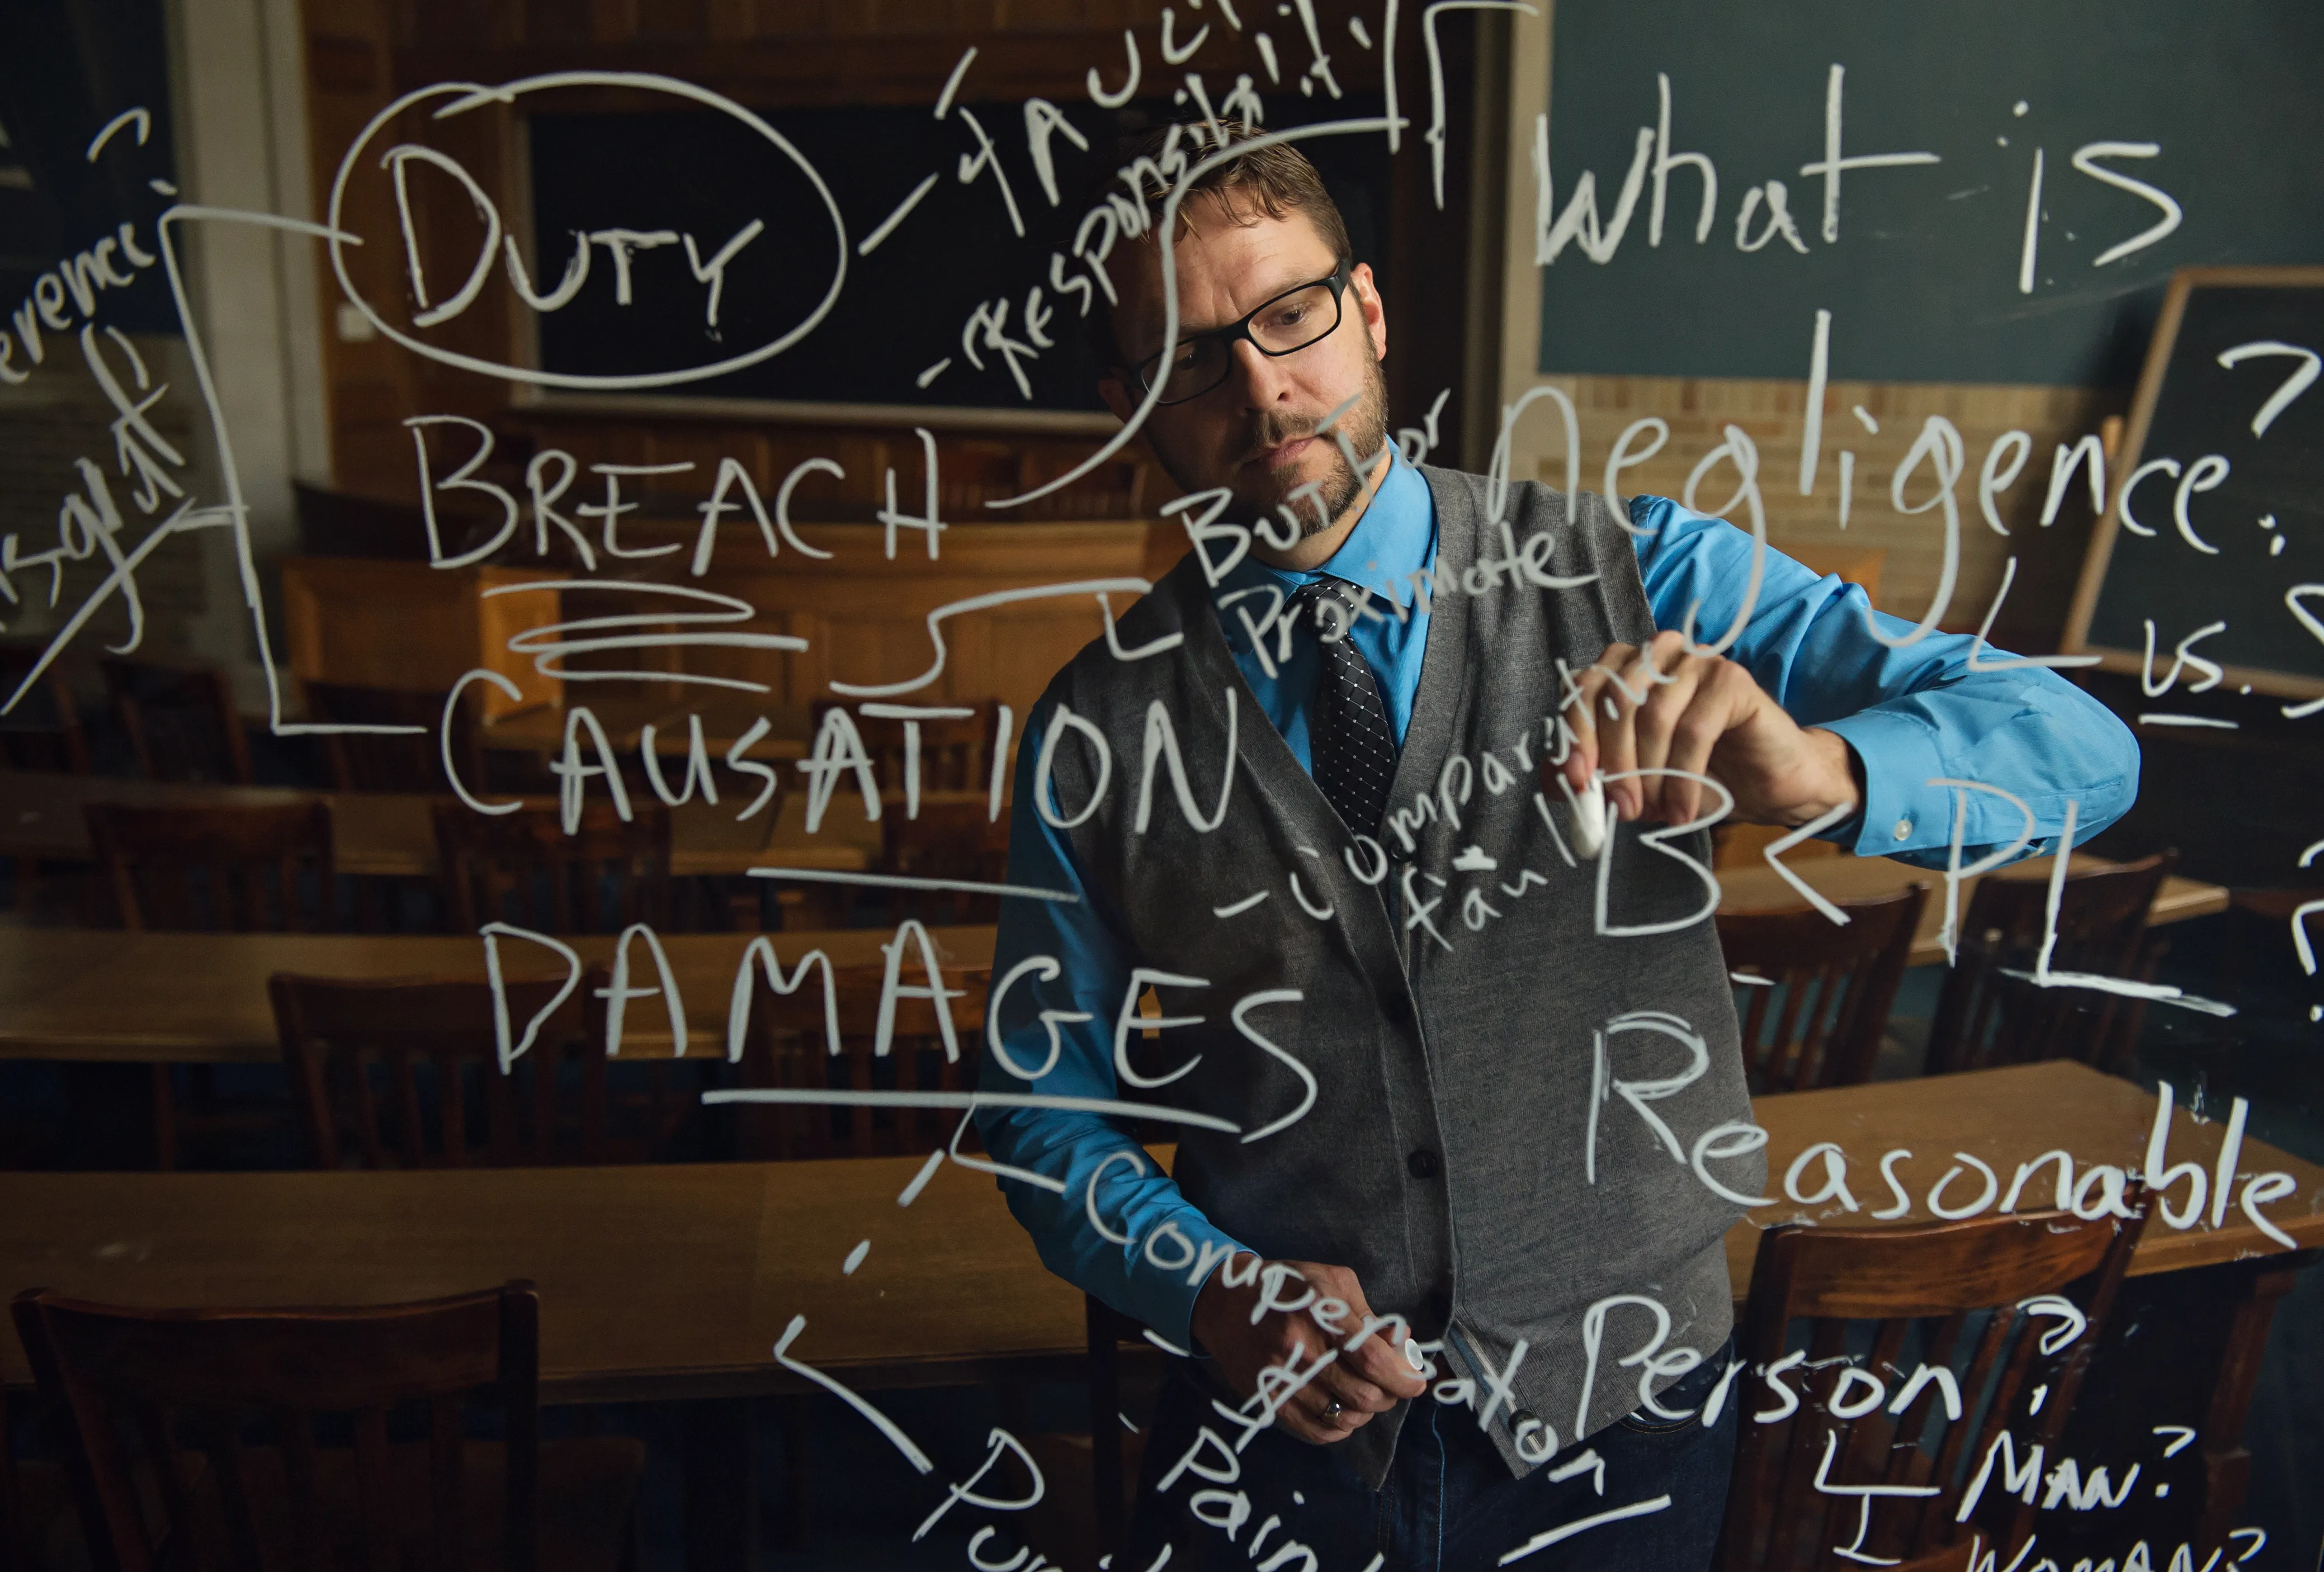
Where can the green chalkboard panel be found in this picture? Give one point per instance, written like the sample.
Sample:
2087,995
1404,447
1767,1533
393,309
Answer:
1923,275
2220,543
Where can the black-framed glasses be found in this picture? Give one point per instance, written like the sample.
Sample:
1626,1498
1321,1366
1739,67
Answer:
1303,315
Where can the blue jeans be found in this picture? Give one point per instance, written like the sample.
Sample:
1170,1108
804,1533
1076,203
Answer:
1448,1504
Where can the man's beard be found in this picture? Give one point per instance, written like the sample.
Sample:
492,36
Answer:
1365,428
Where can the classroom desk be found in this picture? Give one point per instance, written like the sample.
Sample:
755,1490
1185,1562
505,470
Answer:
1760,889
103,995
673,1282
388,834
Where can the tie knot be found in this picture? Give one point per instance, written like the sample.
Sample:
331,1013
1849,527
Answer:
1326,600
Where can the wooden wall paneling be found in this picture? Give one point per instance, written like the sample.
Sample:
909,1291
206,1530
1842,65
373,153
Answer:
368,381
405,625
865,618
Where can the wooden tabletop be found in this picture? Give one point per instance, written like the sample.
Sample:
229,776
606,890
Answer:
674,1281
385,833
664,1282
93,994
1760,889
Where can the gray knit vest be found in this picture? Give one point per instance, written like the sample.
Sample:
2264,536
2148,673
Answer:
1516,1103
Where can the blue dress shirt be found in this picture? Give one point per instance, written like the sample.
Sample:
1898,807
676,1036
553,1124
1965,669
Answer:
1913,714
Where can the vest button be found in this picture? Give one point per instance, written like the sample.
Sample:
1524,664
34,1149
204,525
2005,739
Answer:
1440,1305
1422,1164
1397,1008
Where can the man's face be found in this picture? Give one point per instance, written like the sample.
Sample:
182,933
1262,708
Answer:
1254,432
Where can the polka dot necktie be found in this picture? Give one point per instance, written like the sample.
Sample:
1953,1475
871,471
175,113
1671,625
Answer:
1351,750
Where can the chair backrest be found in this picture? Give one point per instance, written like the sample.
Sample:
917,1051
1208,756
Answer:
2009,1308
376,761
788,1044
43,731
221,867
1987,1017
1816,1019
956,751
407,1073
522,867
182,722
242,1391
949,841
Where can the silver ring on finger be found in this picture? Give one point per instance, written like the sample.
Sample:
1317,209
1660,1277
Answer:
1334,1408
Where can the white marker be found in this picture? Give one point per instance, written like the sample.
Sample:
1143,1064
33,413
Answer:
1589,806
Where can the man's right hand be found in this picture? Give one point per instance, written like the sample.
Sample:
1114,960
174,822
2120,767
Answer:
1244,1339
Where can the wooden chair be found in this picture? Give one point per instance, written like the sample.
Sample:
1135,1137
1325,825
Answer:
953,840
181,720
522,867
1113,1461
1817,1019
788,1044
222,868
1986,1018
388,762
407,1074
222,1405
1880,1304
42,733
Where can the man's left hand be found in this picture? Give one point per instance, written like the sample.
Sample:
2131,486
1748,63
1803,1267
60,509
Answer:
1703,714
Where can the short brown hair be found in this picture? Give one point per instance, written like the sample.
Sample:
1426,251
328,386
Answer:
1274,180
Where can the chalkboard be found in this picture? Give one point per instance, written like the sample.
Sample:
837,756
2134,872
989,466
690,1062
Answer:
2225,523
905,306
1924,276
68,72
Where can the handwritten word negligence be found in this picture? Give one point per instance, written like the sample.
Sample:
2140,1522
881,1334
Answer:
1652,164
1936,466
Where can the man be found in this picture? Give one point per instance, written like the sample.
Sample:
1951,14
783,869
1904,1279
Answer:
1424,1254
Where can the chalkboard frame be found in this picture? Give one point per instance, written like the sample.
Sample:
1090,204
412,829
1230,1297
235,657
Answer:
2184,282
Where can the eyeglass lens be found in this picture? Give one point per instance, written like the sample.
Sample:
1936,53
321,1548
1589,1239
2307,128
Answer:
1287,323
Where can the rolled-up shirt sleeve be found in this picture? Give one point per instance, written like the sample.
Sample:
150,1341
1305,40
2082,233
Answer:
1915,714
1061,971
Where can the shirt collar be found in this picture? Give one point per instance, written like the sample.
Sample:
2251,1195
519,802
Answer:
1395,536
